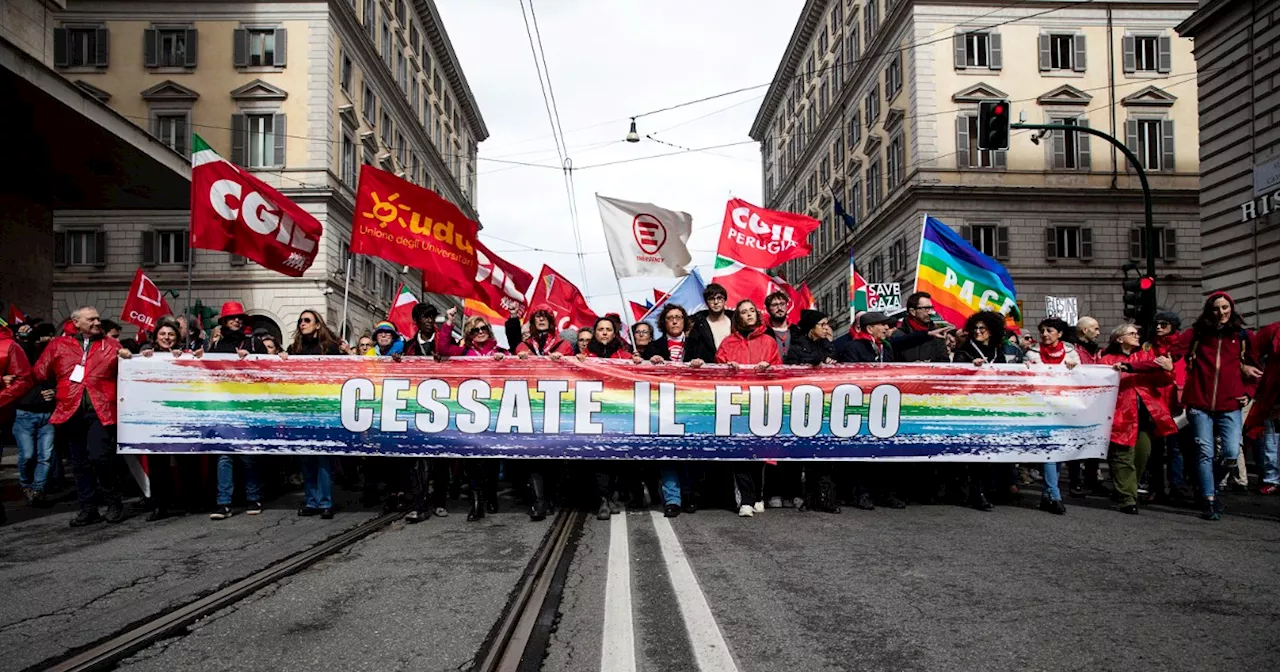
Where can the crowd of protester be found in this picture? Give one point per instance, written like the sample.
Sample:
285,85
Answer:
1215,380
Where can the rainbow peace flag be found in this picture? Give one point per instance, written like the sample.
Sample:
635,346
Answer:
962,280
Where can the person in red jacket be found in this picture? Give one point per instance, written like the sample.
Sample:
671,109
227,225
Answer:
1165,469
481,473
15,377
751,345
1141,412
1263,423
543,341
84,366
1219,372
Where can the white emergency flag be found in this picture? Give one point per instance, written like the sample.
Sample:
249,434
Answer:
644,239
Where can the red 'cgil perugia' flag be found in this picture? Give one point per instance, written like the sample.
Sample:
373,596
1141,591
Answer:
145,304
233,211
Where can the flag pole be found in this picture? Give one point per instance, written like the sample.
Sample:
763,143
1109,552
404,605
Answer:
924,224
346,293
191,264
622,313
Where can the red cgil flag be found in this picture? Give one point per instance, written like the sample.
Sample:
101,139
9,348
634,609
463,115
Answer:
563,298
638,310
145,304
500,284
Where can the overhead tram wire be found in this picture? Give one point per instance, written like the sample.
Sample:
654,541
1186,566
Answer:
553,118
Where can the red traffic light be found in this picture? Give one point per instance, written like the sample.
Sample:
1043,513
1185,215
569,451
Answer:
1146,283
999,109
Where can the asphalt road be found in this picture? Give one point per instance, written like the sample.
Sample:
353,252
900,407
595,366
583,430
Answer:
928,588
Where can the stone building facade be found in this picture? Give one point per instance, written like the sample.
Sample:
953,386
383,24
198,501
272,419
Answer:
302,93
1238,57
875,103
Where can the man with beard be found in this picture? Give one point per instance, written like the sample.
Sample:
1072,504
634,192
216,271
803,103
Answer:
708,328
777,305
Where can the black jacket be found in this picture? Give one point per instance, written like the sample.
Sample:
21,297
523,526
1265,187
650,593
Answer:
657,347
804,350
861,351
917,346
311,346
970,350
701,342
232,341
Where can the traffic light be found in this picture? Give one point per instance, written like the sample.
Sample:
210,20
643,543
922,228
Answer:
1140,299
993,124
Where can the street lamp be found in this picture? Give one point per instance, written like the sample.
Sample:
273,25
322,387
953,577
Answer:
632,136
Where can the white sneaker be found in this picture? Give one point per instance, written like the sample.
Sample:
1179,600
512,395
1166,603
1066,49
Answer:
775,502
746,511
759,507
797,502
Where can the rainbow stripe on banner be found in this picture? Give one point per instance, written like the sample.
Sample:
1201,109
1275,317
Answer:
472,407
962,280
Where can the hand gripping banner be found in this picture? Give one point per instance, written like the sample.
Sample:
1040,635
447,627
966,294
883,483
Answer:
471,407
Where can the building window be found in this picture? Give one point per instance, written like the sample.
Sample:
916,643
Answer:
1166,243
855,129
415,39
80,248
262,47
386,43
370,20
1068,242
852,47
824,170
895,156
873,184
871,17
855,200
837,153
169,48
259,47
898,256
875,270
347,165
402,150
388,288
873,105
1070,150
1146,51
171,129
808,70
823,98
978,50
823,43
402,73
80,47
989,239
262,140
893,77
346,76
1062,52
967,153
168,247
1152,141
386,131
370,105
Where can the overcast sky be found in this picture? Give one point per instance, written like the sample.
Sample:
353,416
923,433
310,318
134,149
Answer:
609,61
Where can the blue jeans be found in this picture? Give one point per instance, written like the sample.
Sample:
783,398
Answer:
1224,426
34,436
670,477
317,482
227,481
1268,454
1051,490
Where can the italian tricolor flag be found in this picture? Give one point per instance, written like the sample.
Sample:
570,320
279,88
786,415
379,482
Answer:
401,313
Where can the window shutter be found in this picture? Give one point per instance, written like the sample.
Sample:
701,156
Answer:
278,128
191,48
1051,243
150,47
1164,63
1135,244
1078,43
100,248
239,131
1086,242
102,50
240,48
181,137
1058,147
282,46
1170,244
1131,136
154,126
1130,56
1002,242
1001,158
59,249
962,141
961,60
996,57
61,51
1084,157
1046,57
966,232
1166,145
148,248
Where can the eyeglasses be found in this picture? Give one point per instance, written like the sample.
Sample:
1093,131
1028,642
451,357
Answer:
305,320
778,304
716,297
675,318
929,307
1164,324
981,327
484,327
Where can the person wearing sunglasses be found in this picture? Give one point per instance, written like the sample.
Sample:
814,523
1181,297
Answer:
481,473
387,341
1141,412
1165,469
314,338
364,345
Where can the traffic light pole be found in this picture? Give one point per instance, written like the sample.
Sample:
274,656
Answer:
1133,161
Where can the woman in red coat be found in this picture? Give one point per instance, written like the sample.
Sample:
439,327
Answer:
750,344
1220,372
481,472
1140,410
